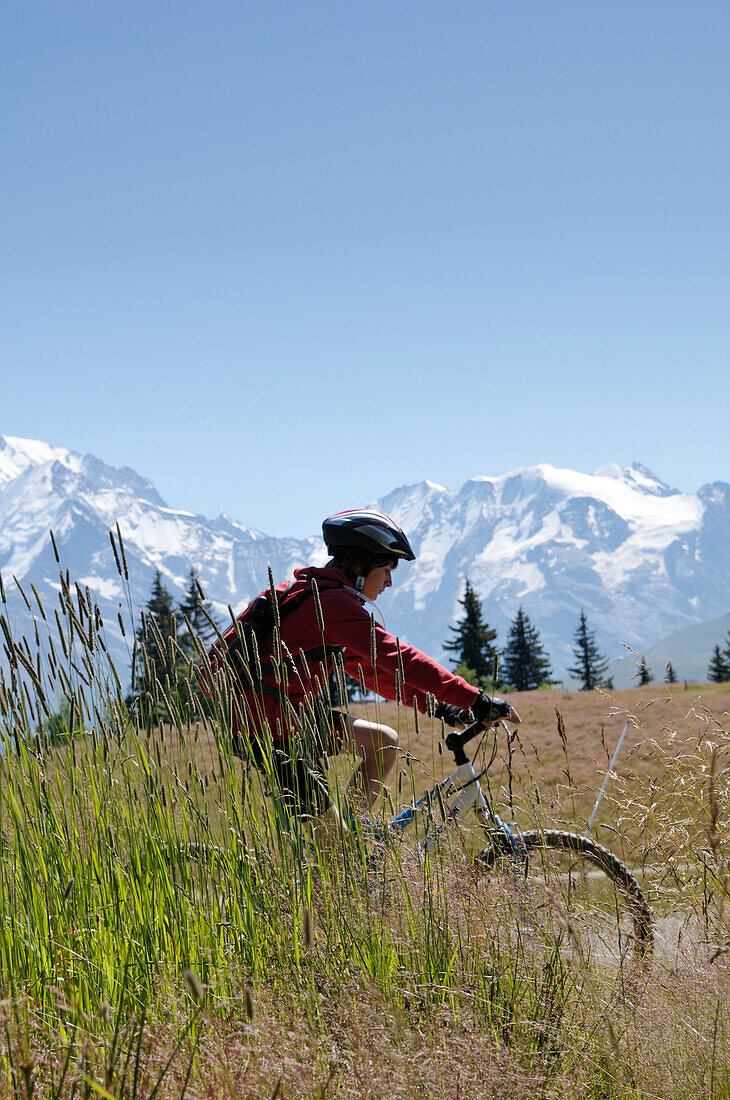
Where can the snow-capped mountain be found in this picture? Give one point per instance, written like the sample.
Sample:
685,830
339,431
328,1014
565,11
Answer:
81,500
641,558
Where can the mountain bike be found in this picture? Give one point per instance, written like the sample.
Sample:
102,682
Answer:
561,886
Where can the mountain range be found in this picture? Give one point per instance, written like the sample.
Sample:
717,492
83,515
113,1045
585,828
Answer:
642,559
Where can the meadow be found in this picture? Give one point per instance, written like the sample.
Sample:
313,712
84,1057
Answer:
163,935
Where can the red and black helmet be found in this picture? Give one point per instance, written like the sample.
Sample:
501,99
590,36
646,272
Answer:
372,531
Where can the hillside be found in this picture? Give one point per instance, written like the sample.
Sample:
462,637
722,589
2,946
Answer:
688,649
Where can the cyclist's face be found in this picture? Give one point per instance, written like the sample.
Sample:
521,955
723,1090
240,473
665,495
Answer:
377,580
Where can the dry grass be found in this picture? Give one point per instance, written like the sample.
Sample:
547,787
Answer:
666,1038
162,936
557,780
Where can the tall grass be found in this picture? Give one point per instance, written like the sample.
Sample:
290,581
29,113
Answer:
164,932
682,819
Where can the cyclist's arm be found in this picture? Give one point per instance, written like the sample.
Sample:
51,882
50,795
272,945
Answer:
347,623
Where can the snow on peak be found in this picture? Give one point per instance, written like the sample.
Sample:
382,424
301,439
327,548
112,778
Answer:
18,455
637,473
623,489
70,473
619,542
611,469
407,498
649,481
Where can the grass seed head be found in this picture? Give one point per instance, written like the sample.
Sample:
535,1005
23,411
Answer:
307,928
124,556
195,987
318,606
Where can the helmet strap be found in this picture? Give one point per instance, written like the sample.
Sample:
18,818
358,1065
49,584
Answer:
359,584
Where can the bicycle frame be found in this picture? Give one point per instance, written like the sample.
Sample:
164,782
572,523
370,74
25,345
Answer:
463,784
464,790
454,797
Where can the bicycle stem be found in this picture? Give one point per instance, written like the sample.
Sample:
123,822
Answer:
455,741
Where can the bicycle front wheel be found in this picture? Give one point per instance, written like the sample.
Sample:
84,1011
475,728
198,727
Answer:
571,890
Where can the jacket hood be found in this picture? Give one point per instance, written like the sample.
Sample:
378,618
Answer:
323,572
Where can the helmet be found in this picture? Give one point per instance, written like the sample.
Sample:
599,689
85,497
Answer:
370,530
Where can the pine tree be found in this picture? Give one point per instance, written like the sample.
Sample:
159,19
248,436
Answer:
472,642
671,676
196,609
726,650
524,663
156,641
645,673
718,669
590,665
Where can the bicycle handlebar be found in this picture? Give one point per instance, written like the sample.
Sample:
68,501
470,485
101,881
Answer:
456,740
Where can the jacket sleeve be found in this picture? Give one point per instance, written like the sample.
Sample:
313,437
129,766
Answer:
347,623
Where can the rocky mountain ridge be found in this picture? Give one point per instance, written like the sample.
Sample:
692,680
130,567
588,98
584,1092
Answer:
643,559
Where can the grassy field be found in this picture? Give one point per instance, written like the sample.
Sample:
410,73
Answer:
556,778
161,934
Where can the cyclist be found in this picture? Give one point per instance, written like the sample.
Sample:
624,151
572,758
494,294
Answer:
365,548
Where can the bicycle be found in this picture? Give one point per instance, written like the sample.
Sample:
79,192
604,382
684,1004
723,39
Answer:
565,887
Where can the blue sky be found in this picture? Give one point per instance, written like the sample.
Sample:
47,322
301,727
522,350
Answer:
282,257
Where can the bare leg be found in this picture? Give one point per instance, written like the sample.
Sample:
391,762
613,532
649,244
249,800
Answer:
377,746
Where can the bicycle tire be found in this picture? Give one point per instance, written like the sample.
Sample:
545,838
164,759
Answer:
577,891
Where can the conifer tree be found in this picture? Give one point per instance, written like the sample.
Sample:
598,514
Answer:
645,673
196,609
590,665
524,663
726,650
472,641
671,676
718,670
156,640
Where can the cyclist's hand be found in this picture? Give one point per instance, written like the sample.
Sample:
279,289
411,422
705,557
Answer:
451,715
488,709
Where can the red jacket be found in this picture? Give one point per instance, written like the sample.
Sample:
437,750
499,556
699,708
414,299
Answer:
348,624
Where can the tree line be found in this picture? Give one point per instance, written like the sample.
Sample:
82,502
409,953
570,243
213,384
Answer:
523,664
167,640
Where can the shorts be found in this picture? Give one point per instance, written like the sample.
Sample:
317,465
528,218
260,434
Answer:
299,764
